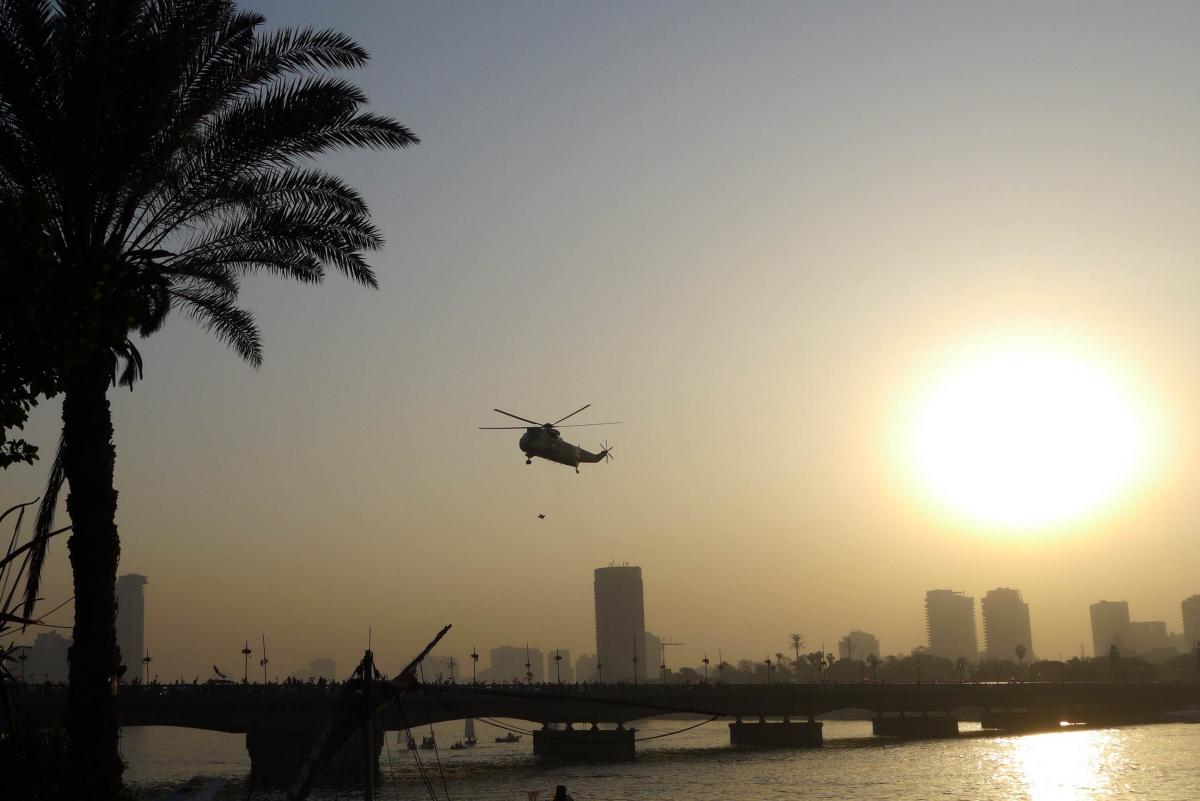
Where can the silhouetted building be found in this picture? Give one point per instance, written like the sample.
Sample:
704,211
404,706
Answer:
1110,626
652,653
508,663
858,645
1006,624
585,668
1145,637
1191,622
560,670
131,622
950,623
47,659
620,623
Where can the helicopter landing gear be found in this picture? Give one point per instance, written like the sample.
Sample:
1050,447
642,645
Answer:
576,471
528,461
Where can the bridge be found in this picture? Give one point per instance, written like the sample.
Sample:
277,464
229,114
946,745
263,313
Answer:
279,721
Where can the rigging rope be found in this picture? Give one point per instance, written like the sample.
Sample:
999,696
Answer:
420,766
438,757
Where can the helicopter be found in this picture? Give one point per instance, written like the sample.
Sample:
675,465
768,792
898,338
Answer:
543,440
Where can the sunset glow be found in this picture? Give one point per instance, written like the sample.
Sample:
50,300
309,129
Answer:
1025,438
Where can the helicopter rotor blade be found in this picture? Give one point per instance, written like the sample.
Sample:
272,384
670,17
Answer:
504,428
519,417
581,425
572,414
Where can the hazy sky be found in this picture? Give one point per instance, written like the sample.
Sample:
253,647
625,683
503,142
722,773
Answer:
749,231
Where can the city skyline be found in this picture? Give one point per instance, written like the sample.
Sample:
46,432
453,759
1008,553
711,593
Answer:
1109,623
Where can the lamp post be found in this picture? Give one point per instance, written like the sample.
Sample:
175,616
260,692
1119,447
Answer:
146,661
705,661
635,661
557,666
24,655
246,662
264,661
528,671
599,672
768,670
474,663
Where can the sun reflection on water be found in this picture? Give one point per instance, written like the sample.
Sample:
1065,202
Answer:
1061,766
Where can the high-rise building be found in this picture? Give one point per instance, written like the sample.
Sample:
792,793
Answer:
1006,624
131,622
509,663
585,668
561,669
1147,636
47,659
950,622
653,652
1191,622
858,645
620,623
1110,626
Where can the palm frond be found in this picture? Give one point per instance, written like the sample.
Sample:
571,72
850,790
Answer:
43,524
217,313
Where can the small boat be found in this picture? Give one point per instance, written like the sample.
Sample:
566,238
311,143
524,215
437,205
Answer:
428,743
469,732
509,738
458,746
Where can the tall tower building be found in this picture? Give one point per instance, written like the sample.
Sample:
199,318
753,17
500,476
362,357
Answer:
131,622
950,621
620,623
1110,626
1191,622
1006,624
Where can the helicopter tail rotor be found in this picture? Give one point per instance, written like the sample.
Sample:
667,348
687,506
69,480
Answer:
606,451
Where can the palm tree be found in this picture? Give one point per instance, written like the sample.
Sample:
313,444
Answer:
797,642
169,142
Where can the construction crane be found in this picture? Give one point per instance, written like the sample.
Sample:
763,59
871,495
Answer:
662,653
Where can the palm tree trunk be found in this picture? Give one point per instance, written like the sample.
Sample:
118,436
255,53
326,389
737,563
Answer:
88,461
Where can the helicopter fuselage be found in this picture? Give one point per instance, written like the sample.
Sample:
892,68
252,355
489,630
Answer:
548,444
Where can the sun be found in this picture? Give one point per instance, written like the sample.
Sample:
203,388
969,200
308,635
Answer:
1025,437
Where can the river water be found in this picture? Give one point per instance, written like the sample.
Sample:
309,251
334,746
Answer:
1157,763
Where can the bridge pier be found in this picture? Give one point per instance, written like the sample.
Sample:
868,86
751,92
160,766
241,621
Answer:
925,727
276,757
788,734
591,744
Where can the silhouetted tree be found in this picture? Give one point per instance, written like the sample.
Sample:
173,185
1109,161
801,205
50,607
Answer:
27,373
167,141
797,642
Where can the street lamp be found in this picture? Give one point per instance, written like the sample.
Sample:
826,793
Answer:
705,661
768,670
264,661
599,672
557,666
146,661
246,662
474,662
528,672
